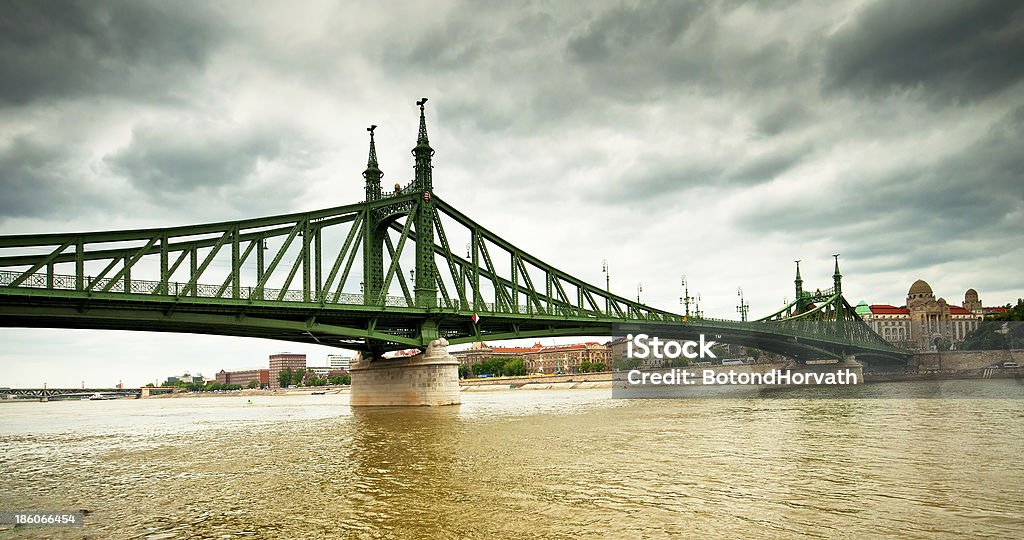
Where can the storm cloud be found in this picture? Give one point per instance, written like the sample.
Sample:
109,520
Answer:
955,51
720,140
51,50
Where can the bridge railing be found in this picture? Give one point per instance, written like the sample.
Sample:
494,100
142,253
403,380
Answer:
174,288
42,280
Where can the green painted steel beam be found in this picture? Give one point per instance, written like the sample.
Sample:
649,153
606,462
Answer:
29,240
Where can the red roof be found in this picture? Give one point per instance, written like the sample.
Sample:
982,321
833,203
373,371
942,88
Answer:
516,350
537,347
886,309
957,310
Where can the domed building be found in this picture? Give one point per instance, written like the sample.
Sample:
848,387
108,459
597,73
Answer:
971,301
925,323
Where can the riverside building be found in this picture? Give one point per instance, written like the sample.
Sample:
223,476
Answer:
925,323
539,359
282,361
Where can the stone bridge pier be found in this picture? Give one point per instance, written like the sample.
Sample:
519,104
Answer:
430,378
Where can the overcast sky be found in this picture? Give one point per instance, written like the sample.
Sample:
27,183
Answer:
720,140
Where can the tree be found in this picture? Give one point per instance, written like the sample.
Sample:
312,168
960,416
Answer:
626,364
679,362
493,367
1012,313
592,367
297,376
514,368
284,377
254,384
994,334
463,372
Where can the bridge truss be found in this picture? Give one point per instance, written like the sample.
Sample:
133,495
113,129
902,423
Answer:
338,277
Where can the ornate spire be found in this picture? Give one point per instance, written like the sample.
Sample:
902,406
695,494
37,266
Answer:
423,152
372,174
837,278
422,139
799,282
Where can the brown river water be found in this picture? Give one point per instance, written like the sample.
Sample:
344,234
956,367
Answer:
525,464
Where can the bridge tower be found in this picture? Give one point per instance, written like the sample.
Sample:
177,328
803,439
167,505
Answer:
837,283
373,239
377,220
426,284
800,298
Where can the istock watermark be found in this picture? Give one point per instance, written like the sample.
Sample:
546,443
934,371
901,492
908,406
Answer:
695,365
707,358
774,377
642,346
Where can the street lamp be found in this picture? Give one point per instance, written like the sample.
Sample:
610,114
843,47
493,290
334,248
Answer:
686,299
744,307
639,289
607,287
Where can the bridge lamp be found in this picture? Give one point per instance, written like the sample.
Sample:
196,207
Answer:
412,275
744,307
639,289
607,279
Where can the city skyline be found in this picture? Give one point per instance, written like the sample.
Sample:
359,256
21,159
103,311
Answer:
680,150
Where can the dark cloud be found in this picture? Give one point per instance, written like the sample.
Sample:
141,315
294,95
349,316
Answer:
955,51
784,117
626,30
183,157
915,216
650,51
140,50
36,181
239,169
662,176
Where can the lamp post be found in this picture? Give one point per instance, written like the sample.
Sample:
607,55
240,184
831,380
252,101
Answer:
639,289
607,287
744,307
686,299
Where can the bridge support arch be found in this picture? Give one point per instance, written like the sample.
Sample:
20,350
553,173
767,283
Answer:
430,378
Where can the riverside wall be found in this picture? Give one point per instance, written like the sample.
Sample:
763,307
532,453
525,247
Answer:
952,365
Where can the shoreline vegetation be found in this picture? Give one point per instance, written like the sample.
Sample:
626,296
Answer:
586,381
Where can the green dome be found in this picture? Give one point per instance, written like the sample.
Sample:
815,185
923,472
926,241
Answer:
862,308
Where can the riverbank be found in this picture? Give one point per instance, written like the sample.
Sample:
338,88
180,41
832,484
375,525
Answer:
587,381
253,393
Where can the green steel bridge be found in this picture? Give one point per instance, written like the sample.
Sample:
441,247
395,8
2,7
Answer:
294,277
